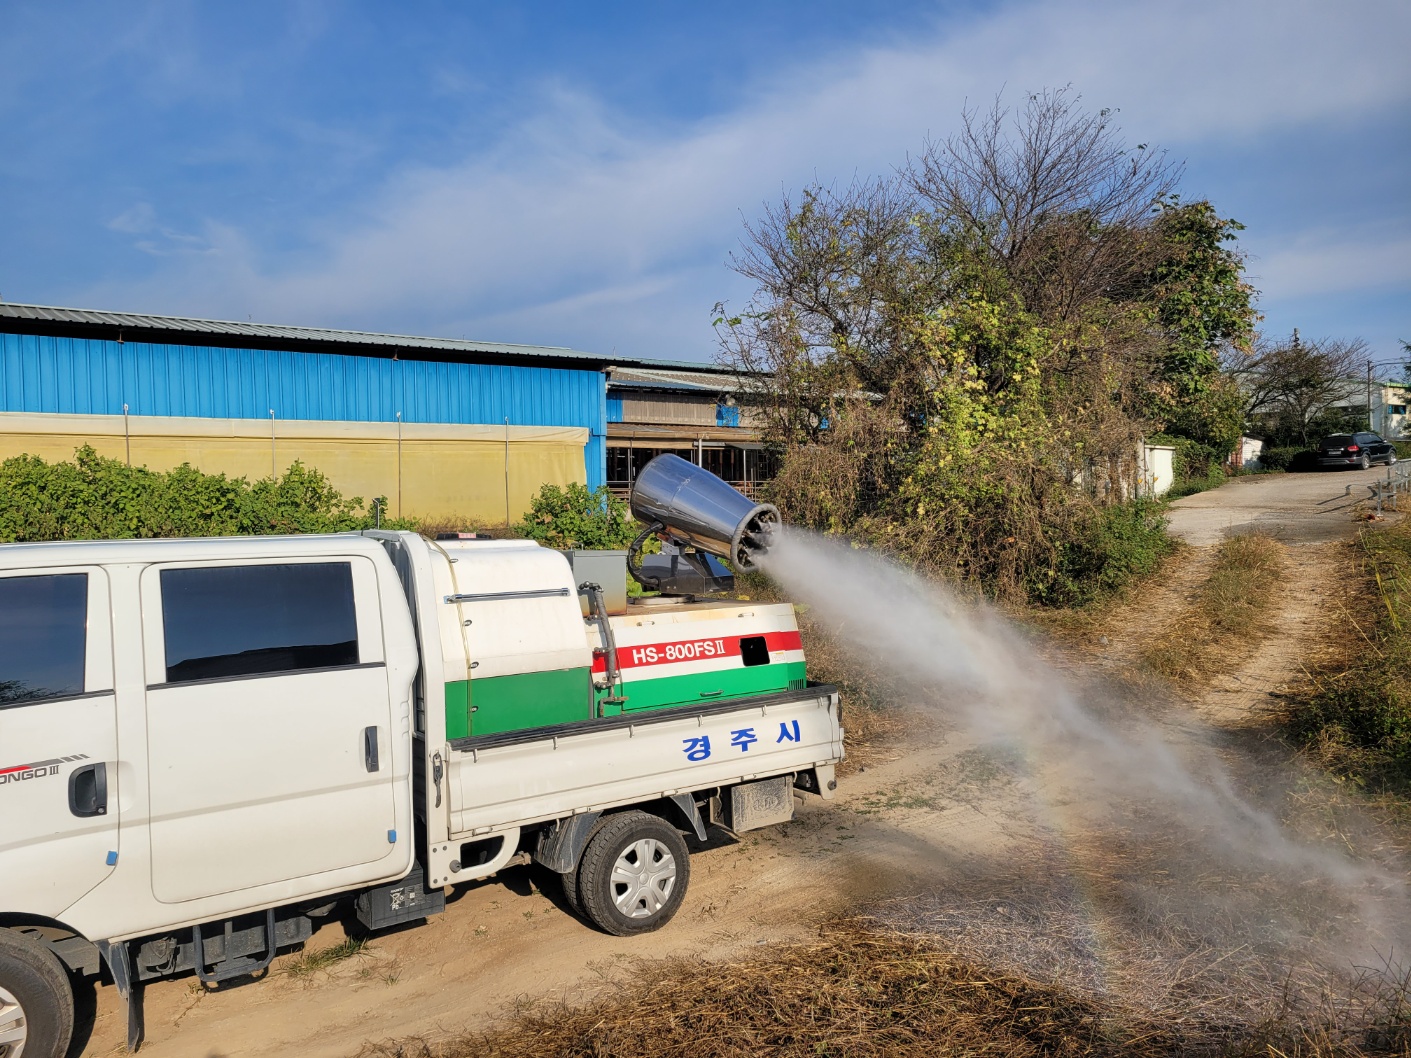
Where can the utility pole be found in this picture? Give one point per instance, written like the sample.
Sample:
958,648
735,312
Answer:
1371,425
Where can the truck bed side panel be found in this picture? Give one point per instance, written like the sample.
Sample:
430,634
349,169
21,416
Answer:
499,782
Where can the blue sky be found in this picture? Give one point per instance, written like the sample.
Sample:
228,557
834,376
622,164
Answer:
578,174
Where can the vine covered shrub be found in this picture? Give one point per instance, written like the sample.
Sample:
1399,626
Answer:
1112,546
579,517
97,498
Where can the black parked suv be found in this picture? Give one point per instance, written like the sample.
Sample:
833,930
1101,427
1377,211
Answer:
1355,450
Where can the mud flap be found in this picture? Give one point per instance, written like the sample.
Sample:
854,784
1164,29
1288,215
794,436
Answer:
561,844
129,988
687,806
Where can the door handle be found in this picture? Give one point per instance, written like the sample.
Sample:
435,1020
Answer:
370,761
88,791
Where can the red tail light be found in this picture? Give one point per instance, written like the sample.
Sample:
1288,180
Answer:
1353,448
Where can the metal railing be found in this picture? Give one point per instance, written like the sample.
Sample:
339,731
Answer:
1388,493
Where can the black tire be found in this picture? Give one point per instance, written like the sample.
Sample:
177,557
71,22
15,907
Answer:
654,852
35,998
1366,463
570,891
1391,459
570,878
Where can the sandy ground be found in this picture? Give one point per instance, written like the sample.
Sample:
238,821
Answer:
938,813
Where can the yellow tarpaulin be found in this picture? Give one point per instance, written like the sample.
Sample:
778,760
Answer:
440,472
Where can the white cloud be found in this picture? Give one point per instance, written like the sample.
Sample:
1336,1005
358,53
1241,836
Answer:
575,228
136,219
1319,263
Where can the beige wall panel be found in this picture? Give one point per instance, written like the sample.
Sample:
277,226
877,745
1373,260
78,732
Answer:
235,457
448,471
356,468
56,447
533,464
449,479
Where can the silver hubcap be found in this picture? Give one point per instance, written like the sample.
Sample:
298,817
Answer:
13,1029
642,879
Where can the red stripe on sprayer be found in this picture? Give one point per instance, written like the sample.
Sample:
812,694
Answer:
694,650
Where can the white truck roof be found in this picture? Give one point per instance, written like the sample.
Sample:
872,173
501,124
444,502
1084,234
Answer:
168,549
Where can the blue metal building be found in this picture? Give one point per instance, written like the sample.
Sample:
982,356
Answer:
80,362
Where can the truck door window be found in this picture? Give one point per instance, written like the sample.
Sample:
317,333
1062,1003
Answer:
43,637
224,621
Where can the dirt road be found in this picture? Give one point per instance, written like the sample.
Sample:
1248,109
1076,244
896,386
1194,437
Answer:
1295,508
942,813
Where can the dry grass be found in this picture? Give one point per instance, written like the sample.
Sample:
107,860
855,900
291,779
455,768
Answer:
865,991
1228,609
312,961
432,526
1354,717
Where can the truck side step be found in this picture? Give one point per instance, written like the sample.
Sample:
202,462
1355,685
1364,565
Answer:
231,965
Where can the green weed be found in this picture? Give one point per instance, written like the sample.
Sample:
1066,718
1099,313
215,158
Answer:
309,962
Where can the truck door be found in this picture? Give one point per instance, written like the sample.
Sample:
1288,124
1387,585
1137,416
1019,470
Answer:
58,738
268,719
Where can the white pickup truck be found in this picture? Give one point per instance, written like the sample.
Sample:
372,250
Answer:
206,744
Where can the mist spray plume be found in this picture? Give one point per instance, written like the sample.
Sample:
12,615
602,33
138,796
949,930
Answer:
1166,784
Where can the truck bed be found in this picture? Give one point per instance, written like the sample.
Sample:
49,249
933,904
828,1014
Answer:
519,778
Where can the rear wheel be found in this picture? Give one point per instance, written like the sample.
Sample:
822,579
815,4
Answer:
36,1002
570,890
634,874
1366,463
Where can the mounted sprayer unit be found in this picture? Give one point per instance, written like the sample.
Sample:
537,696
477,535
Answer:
699,520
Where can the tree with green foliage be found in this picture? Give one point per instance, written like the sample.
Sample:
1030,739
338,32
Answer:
1204,305
963,358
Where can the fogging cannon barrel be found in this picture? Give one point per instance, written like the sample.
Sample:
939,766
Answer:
699,509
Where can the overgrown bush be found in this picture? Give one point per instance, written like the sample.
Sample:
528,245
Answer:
1361,717
964,357
1196,467
579,517
96,498
1114,545
1290,458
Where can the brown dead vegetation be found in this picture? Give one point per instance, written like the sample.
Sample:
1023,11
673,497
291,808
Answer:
863,990
1229,607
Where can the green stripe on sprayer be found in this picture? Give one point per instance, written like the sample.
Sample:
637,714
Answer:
560,696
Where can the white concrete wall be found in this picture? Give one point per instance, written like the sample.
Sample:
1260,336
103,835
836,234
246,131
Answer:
1156,469
1248,454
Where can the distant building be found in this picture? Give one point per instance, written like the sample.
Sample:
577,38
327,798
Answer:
1388,410
1389,404
442,428
697,411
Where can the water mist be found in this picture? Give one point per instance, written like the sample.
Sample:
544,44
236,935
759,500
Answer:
1171,794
